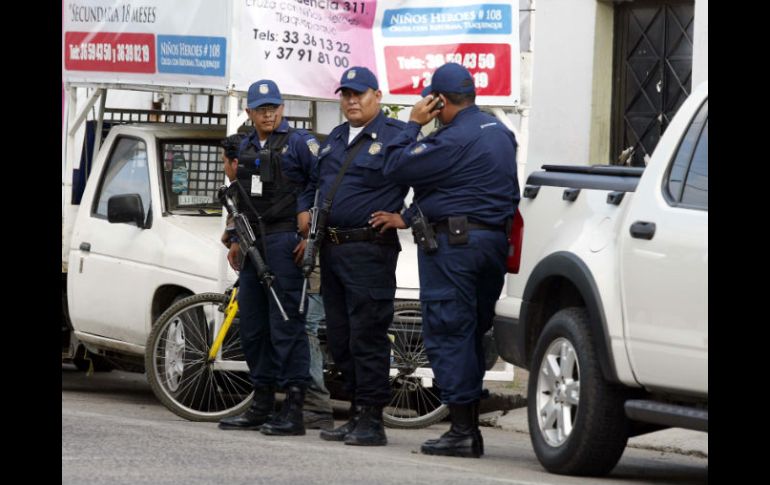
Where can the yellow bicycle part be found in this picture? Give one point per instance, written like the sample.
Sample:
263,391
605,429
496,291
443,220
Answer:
230,312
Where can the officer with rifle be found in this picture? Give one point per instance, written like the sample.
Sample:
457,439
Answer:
358,277
270,173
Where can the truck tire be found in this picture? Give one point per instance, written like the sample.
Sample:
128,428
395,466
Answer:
413,404
176,361
576,419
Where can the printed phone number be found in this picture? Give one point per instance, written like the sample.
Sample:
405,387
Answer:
288,53
292,37
432,61
105,52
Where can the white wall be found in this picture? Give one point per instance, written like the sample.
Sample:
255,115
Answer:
700,54
559,130
567,102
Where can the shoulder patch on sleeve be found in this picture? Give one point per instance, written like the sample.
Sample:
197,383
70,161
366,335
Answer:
418,149
313,146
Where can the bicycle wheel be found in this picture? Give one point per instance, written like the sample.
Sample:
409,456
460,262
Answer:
176,361
415,399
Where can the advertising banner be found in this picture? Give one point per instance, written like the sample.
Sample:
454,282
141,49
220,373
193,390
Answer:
303,45
164,42
306,45
414,38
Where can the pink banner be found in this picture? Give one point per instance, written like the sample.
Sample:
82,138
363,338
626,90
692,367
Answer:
304,46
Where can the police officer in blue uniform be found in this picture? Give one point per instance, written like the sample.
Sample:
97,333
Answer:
358,281
274,166
464,178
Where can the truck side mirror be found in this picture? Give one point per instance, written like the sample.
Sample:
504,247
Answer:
126,208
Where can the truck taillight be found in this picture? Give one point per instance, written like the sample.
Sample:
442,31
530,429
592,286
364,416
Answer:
514,244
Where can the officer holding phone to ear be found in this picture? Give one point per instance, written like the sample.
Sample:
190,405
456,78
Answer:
464,180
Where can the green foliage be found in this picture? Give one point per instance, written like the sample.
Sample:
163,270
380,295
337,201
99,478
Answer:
392,110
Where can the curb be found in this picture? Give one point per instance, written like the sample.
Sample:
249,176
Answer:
672,440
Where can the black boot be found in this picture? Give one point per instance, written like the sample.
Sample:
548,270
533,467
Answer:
369,430
475,411
462,439
258,413
289,421
339,433
477,429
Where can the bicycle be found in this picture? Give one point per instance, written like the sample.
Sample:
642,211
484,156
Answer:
196,368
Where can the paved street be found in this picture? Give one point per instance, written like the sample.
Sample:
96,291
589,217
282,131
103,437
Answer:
115,431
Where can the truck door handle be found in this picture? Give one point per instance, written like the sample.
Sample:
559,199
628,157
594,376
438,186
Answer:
643,230
84,246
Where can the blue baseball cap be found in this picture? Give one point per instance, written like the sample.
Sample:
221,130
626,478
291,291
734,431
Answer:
262,92
450,78
359,79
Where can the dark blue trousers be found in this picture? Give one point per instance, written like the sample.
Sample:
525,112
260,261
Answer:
358,284
277,352
459,286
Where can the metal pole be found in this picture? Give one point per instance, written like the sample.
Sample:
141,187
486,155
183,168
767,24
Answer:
99,124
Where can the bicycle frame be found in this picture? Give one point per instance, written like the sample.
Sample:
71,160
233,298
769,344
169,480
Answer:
230,312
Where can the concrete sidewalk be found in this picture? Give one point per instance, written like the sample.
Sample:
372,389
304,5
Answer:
672,440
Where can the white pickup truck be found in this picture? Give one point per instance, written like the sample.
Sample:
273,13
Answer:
609,307
146,233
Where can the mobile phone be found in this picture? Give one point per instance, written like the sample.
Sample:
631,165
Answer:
440,103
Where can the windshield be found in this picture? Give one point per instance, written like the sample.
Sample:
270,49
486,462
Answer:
192,173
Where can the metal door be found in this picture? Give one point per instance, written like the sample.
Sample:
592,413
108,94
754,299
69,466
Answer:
653,72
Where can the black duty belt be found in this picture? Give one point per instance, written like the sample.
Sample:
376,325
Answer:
443,227
338,235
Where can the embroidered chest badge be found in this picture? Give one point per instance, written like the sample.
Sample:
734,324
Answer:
375,148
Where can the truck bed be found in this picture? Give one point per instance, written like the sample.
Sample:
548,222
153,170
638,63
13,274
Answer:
602,177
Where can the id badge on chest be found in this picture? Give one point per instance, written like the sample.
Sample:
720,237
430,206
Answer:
256,186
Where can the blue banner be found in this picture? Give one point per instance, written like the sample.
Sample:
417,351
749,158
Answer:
203,56
493,19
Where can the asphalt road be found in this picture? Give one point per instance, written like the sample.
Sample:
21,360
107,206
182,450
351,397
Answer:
114,431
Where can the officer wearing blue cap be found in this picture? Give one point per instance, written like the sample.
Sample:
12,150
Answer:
273,166
358,281
464,179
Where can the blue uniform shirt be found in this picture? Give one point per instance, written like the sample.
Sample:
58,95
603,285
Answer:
363,189
298,159
466,168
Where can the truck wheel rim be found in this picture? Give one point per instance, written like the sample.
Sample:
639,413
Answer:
558,392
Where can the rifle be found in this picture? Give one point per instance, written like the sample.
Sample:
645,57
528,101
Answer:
318,217
247,244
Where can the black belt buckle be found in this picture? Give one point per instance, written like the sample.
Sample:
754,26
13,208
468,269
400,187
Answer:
458,230
331,233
